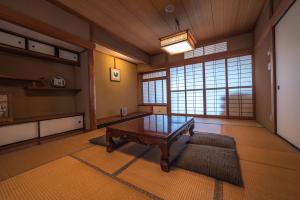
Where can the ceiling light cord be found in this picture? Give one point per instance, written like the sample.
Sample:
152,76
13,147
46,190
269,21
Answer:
177,24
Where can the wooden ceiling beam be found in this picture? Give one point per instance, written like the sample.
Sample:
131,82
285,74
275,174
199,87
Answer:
283,7
26,21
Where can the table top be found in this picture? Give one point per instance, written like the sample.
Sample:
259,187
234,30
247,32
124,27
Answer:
153,125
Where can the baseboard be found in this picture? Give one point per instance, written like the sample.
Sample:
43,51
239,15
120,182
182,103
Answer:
288,142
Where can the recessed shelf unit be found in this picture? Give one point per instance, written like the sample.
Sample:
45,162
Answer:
22,45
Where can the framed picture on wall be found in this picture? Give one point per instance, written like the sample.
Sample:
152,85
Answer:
5,107
115,74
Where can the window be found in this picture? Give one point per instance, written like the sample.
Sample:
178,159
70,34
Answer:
215,88
155,88
154,75
187,89
206,50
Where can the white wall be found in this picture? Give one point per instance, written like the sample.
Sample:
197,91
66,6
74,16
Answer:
287,34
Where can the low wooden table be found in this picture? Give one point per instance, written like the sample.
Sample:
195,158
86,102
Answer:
158,130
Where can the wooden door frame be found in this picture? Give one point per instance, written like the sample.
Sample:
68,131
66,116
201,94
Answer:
275,19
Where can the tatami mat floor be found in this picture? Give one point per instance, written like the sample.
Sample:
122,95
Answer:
72,168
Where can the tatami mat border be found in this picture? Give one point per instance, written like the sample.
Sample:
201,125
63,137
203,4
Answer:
152,196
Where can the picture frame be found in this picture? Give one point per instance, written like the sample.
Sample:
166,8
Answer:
5,107
115,74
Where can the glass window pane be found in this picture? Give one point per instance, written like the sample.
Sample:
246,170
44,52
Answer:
177,78
165,91
216,102
151,91
240,71
241,102
194,76
145,92
194,104
178,102
159,91
154,75
215,74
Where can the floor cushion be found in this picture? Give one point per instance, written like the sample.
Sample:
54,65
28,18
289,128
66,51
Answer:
213,139
217,162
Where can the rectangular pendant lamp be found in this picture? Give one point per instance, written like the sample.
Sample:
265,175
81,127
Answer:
178,43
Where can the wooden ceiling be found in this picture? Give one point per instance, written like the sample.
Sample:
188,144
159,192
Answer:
142,22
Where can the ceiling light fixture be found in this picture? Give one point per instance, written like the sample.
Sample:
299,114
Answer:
179,42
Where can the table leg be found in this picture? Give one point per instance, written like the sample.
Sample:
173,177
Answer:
110,145
191,129
164,161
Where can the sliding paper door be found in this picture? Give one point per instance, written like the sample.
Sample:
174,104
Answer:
287,40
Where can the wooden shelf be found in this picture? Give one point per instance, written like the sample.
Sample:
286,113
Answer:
53,89
2,76
25,52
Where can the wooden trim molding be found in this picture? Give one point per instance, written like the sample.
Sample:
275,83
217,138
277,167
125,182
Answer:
277,15
26,21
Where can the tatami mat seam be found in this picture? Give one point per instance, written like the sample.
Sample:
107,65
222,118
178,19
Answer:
218,190
264,148
117,172
152,196
89,146
266,164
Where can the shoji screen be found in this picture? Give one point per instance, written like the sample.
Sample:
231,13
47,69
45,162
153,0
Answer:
287,40
215,85
194,89
187,89
215,88
240,93
177,89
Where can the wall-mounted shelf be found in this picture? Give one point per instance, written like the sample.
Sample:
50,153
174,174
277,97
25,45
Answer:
36,82
25,52
75,90
2,76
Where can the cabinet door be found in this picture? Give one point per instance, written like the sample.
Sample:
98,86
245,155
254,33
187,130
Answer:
19,132
12,40
160,110
41,48
68,55
54,126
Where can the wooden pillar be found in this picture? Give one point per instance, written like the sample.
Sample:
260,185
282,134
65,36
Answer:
92,85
